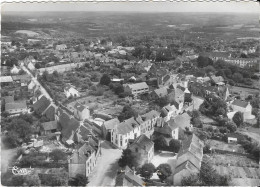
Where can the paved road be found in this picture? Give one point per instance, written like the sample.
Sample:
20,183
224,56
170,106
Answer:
34,79
105,171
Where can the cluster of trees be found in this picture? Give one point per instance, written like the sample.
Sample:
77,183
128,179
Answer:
53,83
19,129
232,73
127,113
147,170
207,176
160,143
251,147
213,106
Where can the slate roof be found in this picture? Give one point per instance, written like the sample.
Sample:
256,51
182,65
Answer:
143,142
137,86
127,126
240,103
186,165
178,92
41,105
150,115
192,145
82,154
16,105
79,107
110,124
128,178
51,125
161,92
68,126
166,129
50,112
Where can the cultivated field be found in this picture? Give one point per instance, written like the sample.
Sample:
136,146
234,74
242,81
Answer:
214,144
232,160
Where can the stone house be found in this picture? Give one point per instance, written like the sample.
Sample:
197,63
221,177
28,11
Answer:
149,120
137,88
107,128
189,159
71,92
244,107
143,149
123,132
81,112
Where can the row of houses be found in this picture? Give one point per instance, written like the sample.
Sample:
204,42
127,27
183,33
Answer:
70,128
241,62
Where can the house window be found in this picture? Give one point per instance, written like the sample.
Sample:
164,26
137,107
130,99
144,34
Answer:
121,143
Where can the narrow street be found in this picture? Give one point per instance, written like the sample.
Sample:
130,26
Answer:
34,79
105,171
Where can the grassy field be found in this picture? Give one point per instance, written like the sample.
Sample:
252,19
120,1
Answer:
244,92
252,132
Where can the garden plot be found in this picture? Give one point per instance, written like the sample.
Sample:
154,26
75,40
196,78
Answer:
238,172
214,144
232,160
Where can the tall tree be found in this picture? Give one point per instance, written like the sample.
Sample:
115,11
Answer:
127,159
238,118
174,145
164,171
105,80
147,170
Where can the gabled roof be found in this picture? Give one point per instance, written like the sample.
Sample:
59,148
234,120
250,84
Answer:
161,92
68,126
51,125
139,119
136,86
150,115
110,124
186,165
128,178
127,126
82,154
79,107
50,112
143,142
41,105
240,103
193,147
178,92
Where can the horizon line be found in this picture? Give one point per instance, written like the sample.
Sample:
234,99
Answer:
129,11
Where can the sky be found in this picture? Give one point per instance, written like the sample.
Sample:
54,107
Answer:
127,6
